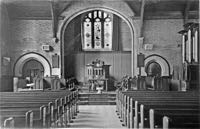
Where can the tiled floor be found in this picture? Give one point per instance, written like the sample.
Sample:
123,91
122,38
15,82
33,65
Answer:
97,116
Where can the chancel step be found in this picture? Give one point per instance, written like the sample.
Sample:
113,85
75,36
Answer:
97,99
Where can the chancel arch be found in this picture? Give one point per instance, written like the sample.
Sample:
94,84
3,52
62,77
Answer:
32,59
114,50
126,14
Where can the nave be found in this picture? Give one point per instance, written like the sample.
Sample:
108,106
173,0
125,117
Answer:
133,109
99,64
96,116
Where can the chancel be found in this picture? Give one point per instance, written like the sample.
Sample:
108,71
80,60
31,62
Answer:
99,64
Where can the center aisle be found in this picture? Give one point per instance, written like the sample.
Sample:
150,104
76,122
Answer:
96,116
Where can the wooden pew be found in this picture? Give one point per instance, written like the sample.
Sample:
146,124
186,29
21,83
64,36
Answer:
24,118
165,119
18,120
169,109
27,95
159,104
21,96
41,114
122,107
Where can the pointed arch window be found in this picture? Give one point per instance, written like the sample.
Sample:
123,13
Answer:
97,30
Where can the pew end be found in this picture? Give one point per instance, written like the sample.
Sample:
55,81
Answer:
9,122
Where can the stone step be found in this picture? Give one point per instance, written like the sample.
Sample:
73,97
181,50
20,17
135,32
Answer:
97,98
96,95
92,98
97,103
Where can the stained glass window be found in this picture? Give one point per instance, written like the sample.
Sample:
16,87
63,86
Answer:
97,30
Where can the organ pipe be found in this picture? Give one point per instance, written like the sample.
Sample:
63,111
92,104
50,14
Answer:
189,45
183,48
196,46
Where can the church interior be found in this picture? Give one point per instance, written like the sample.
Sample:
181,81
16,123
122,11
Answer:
99,64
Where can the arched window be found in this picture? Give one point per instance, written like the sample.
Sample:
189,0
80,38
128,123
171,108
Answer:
97,30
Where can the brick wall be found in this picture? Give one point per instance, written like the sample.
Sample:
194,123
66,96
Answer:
29,36
5,66
163,34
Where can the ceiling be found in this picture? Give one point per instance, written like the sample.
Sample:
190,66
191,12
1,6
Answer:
153,9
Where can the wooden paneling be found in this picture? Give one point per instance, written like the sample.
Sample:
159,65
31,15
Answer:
6,83
69,65
108,59
126,63
120,62
79,66
117,66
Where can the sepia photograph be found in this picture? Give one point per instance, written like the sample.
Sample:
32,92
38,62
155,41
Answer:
95,64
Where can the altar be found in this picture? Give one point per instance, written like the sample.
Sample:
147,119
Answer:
98,75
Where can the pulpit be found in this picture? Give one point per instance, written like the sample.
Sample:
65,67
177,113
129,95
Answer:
98,74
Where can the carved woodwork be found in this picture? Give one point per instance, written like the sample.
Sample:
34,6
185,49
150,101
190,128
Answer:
98,73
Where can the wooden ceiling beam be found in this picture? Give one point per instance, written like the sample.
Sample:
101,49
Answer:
186,12
54,19
34,18
142,17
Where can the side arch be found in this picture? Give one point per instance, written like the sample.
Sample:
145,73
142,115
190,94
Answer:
164,64
27,57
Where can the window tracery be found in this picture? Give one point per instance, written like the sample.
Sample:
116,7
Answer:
97,30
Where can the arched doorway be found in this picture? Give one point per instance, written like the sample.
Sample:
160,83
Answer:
34,62
32,69
157,63
153,69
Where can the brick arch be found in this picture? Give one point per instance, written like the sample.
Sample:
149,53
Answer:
121,9
165,67
27,57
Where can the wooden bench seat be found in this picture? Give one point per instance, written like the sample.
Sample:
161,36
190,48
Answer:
22,119
18,121
16,105
40,116
178,109
173,104
180,119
